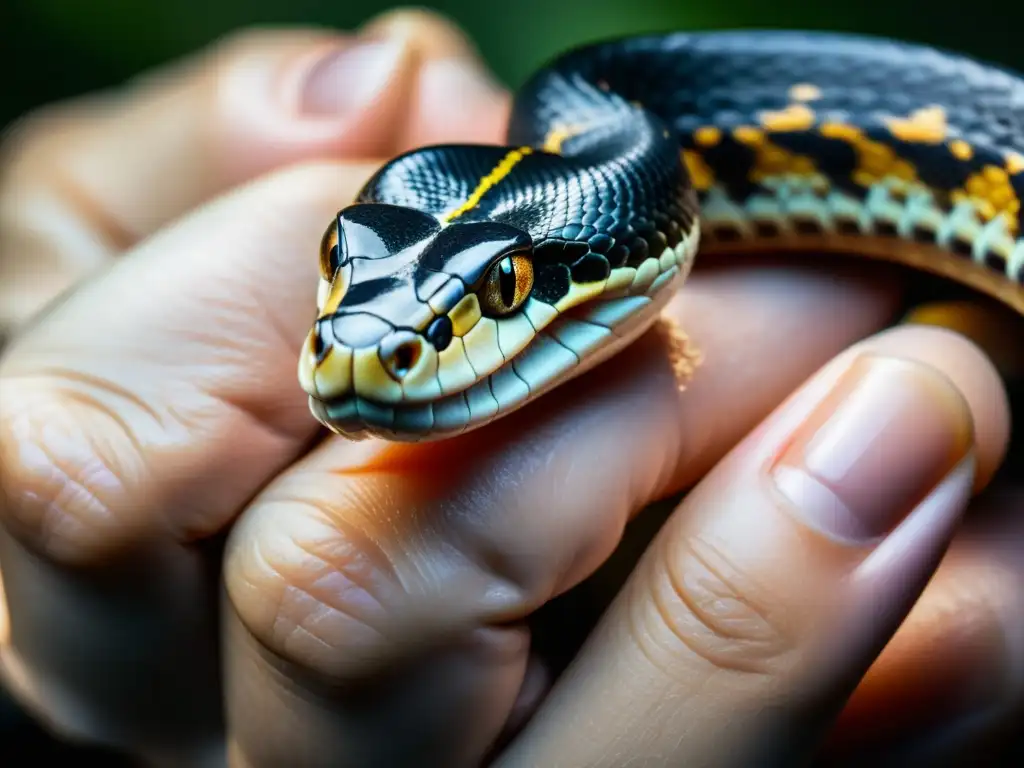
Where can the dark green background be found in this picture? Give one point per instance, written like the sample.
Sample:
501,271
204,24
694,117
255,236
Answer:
53,48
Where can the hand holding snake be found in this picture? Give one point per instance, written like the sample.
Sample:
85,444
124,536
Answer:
390,604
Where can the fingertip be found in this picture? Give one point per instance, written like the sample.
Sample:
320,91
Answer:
456,100
455,97
434,35
967,368
306,95
406,79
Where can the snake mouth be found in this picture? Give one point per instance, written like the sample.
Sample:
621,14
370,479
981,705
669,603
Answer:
571,344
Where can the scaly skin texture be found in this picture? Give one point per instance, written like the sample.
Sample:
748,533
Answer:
468,280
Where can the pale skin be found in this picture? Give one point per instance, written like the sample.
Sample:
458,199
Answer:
168,501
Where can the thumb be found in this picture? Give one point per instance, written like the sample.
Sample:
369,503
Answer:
85,180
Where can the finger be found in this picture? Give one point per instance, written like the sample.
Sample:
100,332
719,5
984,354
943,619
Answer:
87,180
136,419
454,99
783,573
951,682
370,557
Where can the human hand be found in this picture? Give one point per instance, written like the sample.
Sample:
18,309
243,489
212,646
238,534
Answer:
86,183
90,179
456,544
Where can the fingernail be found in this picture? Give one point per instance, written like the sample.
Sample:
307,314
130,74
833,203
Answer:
882,439
351,78
459,84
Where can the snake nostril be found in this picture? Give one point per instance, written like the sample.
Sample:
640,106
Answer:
405,359
400,354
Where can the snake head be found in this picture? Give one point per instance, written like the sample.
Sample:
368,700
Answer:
410,315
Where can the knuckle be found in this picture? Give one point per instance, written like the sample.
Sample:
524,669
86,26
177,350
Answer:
54,487
431,34
701,603
421,23
312,591
21,141
245,43
332,590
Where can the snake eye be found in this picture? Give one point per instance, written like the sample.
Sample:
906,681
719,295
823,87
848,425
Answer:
330,251
507,285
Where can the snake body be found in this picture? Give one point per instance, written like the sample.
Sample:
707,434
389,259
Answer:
465,281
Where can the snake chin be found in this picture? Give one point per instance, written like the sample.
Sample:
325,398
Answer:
570,345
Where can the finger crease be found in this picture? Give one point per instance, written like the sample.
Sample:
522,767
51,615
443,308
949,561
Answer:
90,210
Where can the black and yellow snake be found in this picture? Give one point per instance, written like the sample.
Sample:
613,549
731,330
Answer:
467,280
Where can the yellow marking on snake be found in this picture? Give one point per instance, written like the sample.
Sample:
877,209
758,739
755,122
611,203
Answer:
701,175
558,135
805,92
488,182
708,135
993,195
875,160
772,161
333,376
336,292
369,378
795,117
961,149
1014,163
465,314
924,126
481,345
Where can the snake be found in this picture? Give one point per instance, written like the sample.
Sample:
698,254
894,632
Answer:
464,281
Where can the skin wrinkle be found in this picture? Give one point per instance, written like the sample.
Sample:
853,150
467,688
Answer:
702,590
340,531
55,484
220,471
58,521
434,579
210,422
496,564
704,605
532,459
278,636
98,407
261,418
166,449
82,206
541,464
91,380
422,580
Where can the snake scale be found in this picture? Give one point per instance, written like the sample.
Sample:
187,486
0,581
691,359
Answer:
466,281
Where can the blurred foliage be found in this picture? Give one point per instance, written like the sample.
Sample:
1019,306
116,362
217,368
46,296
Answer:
56,48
